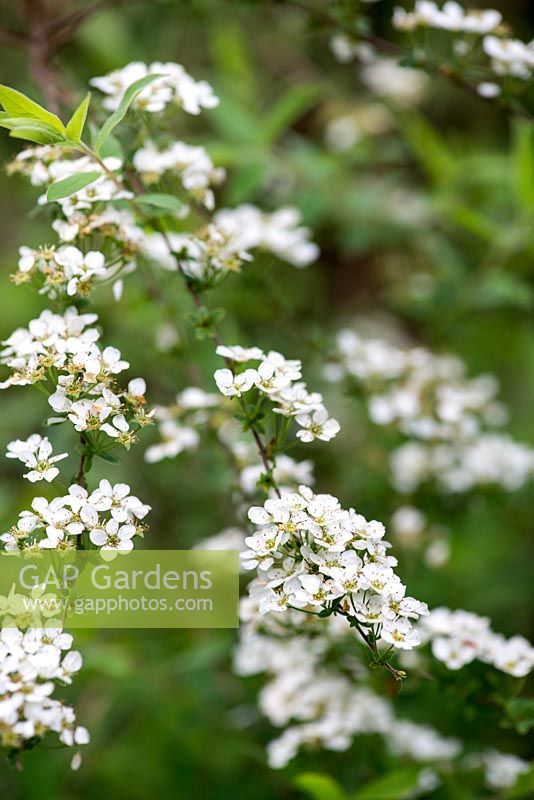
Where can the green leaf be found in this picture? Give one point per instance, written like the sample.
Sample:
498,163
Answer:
107,456
430,148
30,129
76,123
288,109
205,321
520,711
395,786
167,202
319,786
18,105
33,134
127,99
524,163
474,221
71,185
230,52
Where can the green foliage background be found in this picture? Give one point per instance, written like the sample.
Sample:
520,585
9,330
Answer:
431,222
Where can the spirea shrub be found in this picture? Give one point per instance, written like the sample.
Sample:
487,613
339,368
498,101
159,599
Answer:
325,611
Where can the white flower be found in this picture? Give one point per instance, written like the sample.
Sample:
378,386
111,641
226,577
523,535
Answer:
80,268
488,89
502,769
240,354
193,398
270,379
118,501
234,385
119,427
400,634
36,453
317,426
385,78
114,537
175,439
316,590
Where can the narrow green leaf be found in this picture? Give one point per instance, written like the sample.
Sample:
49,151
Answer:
474,221
524,164
7,121
319,786
288,109
127,99
396,785
18,105
30,129
109,457
71,185
33,135
430,148
230,47
76,123
167,202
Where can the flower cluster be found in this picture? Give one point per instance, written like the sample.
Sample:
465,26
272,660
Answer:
224,244
62,348
62,271
501,770
429,398
33,663
278,232
176,87
489,460
192,164
510,56
383,77
507,56
459,637
452,17
277,379
320,703
313,554
203,256
109,517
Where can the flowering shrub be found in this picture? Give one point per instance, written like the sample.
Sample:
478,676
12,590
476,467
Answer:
141,227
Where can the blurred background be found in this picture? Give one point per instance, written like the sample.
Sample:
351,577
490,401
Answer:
421,199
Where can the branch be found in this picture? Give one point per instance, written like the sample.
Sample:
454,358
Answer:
386,47
63,29
12,38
